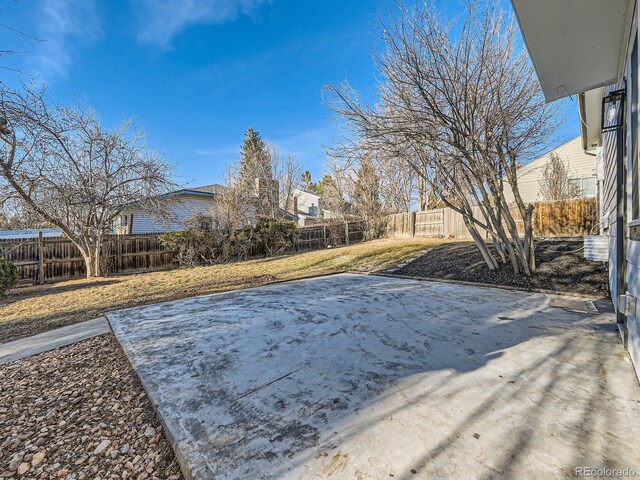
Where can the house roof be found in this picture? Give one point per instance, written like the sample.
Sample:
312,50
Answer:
186,191
214,188
30,233
306,192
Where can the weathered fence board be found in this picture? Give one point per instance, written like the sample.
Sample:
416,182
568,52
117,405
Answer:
316,237
550,219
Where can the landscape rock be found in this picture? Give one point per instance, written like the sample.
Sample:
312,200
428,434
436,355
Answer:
37,458
23,468
102,446
79,412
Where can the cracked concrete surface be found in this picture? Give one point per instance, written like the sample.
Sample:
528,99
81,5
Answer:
366,377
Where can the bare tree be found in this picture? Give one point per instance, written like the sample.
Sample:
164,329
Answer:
366,198
236,208
14,215
460,104
287,171
338,188
75,174
555,183
398,183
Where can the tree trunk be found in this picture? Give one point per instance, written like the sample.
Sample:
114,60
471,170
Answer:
481,244
529,245
92,261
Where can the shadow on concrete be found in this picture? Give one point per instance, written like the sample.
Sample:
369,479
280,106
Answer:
368,377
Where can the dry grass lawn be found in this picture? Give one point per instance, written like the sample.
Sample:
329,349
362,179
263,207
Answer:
34,310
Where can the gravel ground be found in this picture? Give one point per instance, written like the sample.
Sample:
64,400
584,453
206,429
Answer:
561,266
80,412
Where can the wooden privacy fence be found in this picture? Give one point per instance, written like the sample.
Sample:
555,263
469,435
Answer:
316,237
53,259
43,259
550,219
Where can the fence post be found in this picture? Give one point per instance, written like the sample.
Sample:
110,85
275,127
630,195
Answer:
324,235
40,258
118,262
412,223
346,232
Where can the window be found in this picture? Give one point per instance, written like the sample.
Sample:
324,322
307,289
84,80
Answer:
589,186
576,183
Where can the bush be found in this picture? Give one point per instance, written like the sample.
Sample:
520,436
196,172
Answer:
8,276
202,245
276,237
194,246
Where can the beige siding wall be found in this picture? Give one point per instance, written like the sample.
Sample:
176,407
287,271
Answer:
307,202
581,165
182,208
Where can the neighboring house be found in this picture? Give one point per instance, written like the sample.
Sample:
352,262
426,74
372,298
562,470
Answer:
306,206
30,233
182,204
589,48
581,167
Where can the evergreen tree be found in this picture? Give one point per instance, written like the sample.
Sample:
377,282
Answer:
310,186
306,180
321,187
255,160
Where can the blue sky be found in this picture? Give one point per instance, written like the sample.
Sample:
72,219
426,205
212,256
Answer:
197,74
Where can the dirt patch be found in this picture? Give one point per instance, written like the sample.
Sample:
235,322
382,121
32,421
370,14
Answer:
80,412
560,264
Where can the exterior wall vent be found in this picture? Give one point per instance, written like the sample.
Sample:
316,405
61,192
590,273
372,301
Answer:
596,247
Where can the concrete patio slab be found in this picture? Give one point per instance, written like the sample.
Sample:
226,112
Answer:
60,337
365,377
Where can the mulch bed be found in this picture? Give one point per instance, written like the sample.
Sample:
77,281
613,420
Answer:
561,266
80,412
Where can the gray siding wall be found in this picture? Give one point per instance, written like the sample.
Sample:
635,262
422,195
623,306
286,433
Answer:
609,202
609,198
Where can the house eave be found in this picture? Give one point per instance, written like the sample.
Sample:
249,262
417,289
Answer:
575,45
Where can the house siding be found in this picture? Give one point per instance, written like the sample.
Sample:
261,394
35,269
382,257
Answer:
580,164
307,202
183,208
609,203
609,199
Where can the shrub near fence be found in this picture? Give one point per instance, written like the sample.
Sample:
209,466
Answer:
550,219
53,259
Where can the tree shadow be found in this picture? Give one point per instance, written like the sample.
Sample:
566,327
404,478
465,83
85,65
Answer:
54,289
355,352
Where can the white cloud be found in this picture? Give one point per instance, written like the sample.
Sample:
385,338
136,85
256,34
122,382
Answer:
161,20
64,25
